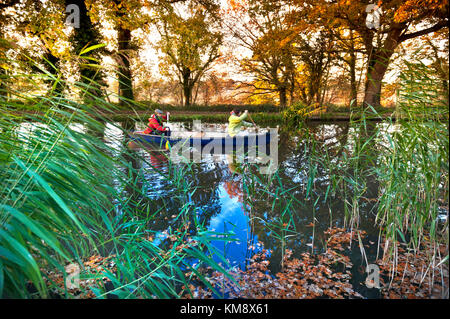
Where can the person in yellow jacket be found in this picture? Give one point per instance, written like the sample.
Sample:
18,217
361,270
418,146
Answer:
236,121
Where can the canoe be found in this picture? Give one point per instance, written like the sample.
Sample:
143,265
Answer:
224,140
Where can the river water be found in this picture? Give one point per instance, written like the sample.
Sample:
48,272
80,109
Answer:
287,210
227,204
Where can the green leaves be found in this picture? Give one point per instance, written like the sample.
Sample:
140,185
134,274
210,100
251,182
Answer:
93,47
67,195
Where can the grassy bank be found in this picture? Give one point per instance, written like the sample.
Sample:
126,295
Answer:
259,118
213,113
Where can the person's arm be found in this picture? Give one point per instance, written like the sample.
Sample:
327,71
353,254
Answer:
243,116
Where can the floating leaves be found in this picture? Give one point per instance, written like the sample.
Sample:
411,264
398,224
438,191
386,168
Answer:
93,274
306,277
412,276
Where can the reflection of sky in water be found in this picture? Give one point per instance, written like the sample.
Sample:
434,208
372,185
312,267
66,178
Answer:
232,218
212,175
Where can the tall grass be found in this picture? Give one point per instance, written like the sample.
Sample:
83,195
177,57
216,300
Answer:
66,194
406,161
413,168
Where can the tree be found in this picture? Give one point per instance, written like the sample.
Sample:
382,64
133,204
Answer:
314,51
125,17
4,17
261,28
399,21
87,35
190,44
125,50
42,25
346,50
440,60
46,23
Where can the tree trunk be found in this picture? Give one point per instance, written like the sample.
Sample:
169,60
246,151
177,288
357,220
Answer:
353,85
59,88
377,66
3,76
292,89
352,67
187,87
283,96
187,93
125,76
3,87
375,75
87,35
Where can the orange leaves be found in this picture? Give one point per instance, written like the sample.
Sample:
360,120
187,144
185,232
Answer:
234,190
412,275
306,277
237,5
414,9
338,236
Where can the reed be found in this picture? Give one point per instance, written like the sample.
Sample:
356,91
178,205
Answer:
404,157
67,193
413,167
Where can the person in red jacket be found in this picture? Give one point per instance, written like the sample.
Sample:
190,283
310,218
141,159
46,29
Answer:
155,123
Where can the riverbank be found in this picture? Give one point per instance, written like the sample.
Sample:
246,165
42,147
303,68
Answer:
262,118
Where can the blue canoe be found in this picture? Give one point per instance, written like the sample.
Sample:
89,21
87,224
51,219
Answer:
163,141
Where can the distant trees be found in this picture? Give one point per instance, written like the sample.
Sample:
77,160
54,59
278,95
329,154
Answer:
284,51
190,41
260,27
314,53
396,22
287,56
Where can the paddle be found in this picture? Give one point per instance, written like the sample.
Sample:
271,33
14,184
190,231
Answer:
168,121
256,128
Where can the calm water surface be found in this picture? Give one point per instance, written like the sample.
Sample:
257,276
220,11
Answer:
224,205
225,200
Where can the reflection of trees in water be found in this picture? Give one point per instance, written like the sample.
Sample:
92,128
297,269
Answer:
270,214
234,189
295,153
153,193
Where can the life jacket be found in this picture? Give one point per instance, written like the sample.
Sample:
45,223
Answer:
155,124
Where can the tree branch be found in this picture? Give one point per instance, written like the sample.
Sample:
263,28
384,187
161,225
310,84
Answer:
8,4
434,28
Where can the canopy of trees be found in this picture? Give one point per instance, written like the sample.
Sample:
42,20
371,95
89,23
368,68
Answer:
314,52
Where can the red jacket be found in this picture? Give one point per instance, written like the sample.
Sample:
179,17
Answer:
154,124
